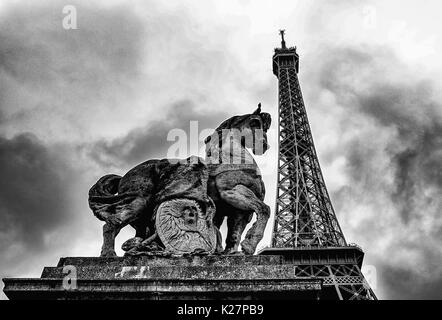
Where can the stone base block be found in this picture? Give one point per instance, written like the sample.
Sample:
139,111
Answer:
156,278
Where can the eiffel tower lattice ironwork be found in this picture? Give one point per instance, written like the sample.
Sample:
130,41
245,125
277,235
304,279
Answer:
305,223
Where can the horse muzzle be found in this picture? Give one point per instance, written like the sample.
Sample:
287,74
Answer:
260,148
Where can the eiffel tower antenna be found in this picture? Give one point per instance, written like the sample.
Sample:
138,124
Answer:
282,32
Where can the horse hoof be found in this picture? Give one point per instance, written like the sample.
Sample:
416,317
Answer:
235,253
108,254
247,248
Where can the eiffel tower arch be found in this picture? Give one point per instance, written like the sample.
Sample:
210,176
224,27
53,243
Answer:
306,227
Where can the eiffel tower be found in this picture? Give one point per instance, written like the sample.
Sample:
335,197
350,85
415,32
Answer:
305,226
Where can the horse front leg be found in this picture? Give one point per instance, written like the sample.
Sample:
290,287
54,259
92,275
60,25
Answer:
245,199
110,232
124,214
236,224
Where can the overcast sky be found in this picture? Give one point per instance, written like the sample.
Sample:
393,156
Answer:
78,104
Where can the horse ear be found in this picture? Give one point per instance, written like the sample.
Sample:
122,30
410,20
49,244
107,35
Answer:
258,111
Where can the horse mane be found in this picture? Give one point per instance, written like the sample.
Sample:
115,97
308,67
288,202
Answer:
236,120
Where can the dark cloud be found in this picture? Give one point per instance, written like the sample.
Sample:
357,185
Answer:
406,284
151,141
34,192
407,107
66,76
43,205
37,50
393,162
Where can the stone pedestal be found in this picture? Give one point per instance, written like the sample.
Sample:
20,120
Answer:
152,278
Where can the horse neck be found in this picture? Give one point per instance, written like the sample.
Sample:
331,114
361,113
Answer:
228,153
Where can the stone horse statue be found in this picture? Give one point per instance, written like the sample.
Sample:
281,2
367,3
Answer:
235,182
229,178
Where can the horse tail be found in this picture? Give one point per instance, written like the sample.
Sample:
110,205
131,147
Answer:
103,196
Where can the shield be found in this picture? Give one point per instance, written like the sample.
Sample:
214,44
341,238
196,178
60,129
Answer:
185,226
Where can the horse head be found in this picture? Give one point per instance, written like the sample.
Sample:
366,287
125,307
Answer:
249,129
